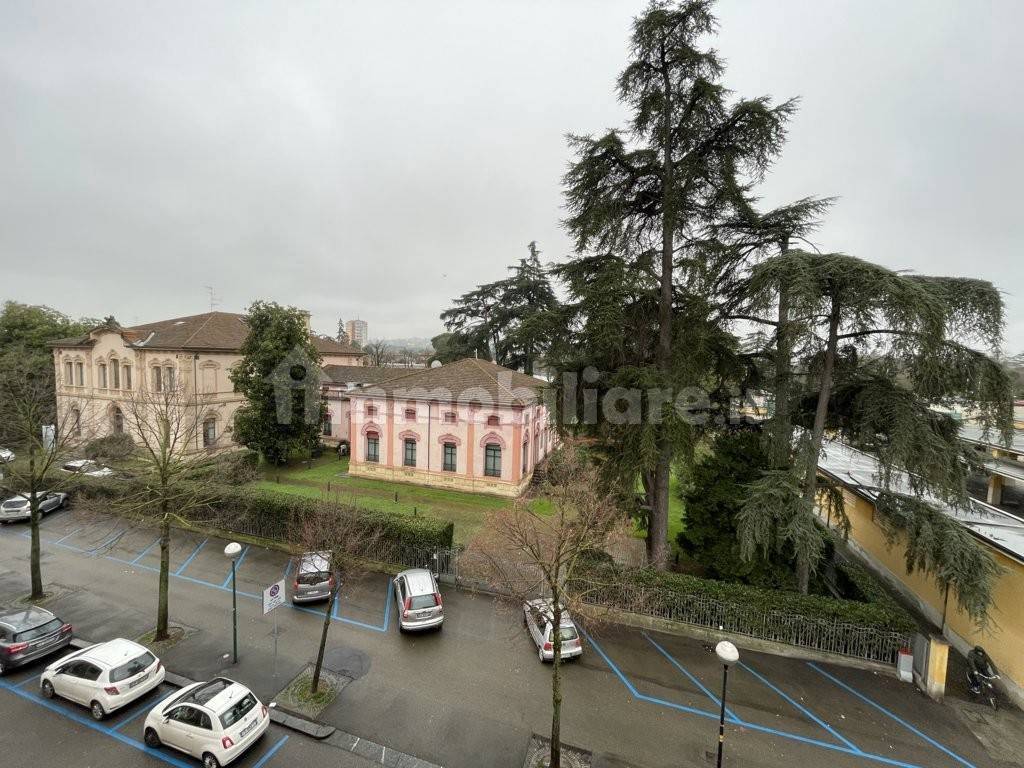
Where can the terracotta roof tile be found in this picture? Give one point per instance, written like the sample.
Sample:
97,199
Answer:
463,381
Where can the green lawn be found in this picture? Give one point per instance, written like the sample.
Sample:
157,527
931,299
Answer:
466,510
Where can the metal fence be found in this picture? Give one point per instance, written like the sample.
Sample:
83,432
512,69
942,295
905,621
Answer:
828,636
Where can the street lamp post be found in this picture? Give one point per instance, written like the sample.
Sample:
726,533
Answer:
232,551
727,654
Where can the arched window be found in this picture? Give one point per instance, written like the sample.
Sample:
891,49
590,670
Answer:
372,446
158,381
526,454
409,456
69,379
327,424
450,455
115,374
75,420
492,460
117,420
493,421
101,371
209,431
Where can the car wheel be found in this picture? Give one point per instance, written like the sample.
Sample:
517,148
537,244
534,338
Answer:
209,761
3,669
152,739
47,689
96,710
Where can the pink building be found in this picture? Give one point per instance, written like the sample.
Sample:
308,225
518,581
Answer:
470,425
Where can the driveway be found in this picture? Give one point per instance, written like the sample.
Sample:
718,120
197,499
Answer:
474,693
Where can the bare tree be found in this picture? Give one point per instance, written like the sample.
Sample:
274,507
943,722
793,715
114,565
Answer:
41,435
345,539
379,353
522,553
166,424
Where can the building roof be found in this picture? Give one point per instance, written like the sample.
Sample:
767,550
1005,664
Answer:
360,374
210,331
468,380
859,471
974,433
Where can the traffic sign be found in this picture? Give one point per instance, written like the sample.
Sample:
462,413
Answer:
273,596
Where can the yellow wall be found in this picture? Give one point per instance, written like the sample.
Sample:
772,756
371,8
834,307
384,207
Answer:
1003,640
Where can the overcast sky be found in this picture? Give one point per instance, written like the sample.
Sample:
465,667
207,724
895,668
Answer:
376,159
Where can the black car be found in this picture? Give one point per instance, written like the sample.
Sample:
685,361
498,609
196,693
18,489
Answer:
27,634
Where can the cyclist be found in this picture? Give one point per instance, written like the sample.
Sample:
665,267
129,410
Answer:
979,665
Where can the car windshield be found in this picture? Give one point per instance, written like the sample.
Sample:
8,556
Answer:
238,711
41,631
132,668
316,577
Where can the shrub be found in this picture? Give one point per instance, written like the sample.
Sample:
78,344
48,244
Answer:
666,591
116,447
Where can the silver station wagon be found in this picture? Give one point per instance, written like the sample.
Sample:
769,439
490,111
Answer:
419,600
27,634
313,579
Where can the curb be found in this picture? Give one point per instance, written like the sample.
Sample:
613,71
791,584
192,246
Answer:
310,728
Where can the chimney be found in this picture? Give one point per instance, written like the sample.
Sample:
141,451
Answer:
305,317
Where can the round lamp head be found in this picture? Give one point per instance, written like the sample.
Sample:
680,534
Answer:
727,652
233,550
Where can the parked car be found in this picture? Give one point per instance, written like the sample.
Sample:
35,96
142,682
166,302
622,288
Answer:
87,467
6,456
214,721
419,600
19,508
103,677
27,634
313,577
538,618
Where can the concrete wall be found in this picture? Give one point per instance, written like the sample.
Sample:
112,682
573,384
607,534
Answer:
1003,639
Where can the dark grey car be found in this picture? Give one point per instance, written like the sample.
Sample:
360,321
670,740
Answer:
27,634
313,579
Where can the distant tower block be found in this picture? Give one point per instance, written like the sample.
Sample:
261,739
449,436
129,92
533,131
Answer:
358,331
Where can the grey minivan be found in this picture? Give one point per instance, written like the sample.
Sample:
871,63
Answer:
313,579
27,634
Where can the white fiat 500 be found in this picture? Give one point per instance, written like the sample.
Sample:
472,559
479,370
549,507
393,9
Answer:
103,677
214,721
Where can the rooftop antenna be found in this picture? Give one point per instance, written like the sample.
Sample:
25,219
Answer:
214,299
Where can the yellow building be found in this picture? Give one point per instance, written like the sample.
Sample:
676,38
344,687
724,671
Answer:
1000,533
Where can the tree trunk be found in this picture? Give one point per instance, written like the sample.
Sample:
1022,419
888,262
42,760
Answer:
657,530
162,623
781,428
35,560
556,684
315,685
817,434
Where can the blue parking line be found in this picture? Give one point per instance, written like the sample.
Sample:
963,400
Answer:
270,752
145,552
28,680
886,712
238,564
88,722
191,557
742,723
68,536
800,707
142,710
718,702
388,596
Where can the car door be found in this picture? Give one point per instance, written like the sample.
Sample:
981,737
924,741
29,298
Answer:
65,679
73,683
177,730
47,503
400,595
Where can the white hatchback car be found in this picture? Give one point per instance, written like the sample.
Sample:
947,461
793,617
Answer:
214,721
103,677
538,618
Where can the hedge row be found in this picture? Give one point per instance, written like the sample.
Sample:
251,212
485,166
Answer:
882,614
278,517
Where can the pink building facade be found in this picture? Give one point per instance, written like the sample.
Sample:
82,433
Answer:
469,426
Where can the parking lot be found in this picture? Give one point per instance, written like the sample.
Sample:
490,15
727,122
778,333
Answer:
474,693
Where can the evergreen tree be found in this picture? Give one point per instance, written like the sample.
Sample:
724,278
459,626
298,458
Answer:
279,375
880,349
646,210
508,316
